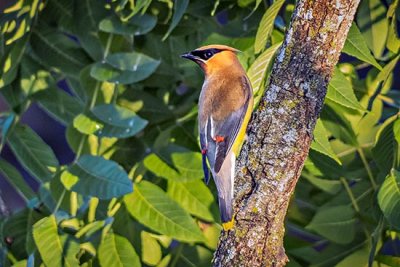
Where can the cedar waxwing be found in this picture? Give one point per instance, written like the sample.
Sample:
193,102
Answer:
225,106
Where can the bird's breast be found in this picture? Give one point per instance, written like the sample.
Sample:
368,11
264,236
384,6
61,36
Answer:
220,96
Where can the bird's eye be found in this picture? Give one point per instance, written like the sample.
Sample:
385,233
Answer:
208,54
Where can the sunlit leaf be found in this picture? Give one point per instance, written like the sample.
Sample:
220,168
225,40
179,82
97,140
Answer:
153,208
151,249
340,91
194,197
321,142
356,46
266,25
51,247
176,164
258,69
117,251
393,40
389,198
371,18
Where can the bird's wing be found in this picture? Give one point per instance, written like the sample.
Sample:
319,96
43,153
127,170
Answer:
228,129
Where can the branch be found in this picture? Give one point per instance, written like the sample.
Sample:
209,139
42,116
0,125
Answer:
280,133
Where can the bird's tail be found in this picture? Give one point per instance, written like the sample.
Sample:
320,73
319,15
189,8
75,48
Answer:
224,180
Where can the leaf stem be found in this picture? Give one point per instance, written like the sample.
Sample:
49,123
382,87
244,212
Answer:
59,201
350,193
108,45
354,203
367,168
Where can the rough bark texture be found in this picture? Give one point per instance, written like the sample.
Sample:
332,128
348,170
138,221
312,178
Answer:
280,133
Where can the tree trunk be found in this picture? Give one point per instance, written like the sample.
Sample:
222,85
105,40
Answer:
280,133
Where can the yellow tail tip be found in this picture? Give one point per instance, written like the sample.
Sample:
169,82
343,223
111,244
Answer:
228,225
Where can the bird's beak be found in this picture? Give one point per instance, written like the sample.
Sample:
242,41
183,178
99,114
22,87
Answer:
188,55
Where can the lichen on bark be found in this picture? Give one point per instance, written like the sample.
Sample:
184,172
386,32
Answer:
280,133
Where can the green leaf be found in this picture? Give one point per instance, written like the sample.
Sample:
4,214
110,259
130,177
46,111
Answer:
266,26
151,249
33,153
385,74
50,245
338,125
175,163
321,142
258,69
59,52
179,9
124,68
340,91
98,177
393,40
389,198
134,62
16,180
15,228
154,209
86,124
358,258
33,78
9,64
59,105
87,16
330,186
335,223
23,263
392,261
384,150
137,25
396,130
194,197
117,121
6,123
357,47
117,251
371,18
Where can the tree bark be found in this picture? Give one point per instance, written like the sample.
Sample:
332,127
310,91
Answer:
280,133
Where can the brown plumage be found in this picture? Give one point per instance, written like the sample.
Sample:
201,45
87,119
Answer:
225,105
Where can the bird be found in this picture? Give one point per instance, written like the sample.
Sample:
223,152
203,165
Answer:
225,107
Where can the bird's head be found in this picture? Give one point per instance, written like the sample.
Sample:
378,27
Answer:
212,58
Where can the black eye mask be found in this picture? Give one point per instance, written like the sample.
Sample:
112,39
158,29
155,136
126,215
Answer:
205,54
